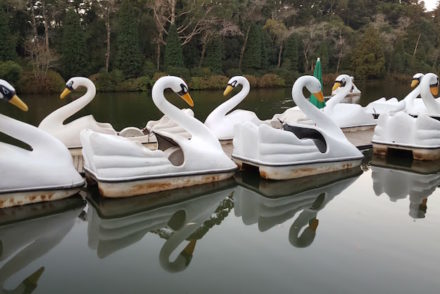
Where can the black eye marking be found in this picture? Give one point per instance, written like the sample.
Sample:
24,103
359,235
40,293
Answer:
233,84
342,82
6,92
69,85
184,90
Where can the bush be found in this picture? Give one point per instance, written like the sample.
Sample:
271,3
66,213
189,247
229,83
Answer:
271,81
52,83
233,72
288,75
157,75
201,72
205,83
253,81
10,71
141,84
179,72
149,68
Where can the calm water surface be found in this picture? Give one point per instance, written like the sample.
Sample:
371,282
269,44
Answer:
369,230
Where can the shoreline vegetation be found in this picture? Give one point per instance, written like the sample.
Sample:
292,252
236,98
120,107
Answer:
126,45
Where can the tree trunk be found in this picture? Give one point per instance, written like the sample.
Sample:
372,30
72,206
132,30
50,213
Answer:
173,11
417,45
33,21
108,28
243,48
46,26
202,55
280,53
158,50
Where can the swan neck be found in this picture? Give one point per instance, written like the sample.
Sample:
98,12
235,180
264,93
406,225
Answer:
339,97
190,124
321,120
231,103
63,113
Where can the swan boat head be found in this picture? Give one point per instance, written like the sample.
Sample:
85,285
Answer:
7,93
342,81
235,82
77,82
429,89
416,79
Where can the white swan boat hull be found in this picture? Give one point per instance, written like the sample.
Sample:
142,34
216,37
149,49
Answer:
133,187
297,170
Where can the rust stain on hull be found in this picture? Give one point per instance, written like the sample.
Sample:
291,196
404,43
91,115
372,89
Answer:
128,189
299,171
23,198
417,153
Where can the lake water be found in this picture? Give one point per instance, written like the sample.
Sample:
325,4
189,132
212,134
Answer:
370,230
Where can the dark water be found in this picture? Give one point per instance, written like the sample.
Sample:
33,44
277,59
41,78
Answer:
369,230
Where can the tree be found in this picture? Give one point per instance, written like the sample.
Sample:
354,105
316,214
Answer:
74,57
129,58
173,49
252,54
7,45
368,59
291,53
214,55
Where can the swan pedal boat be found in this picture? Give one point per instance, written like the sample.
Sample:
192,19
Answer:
124,168
347,116
296,150
419,135
44,172
69,133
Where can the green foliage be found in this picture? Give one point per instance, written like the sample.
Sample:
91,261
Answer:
271,81
179,72
107,82
211,82
28,84
368,58
129,57
252,54
253,81
7,45
173,49
149,68
291,53
214,55
141,84
230,72
10,71
201,72
74,52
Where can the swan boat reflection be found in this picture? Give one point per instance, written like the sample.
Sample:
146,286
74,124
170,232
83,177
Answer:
399,178
29,232
179,216
269,203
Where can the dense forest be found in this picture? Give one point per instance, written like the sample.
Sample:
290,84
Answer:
126,45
